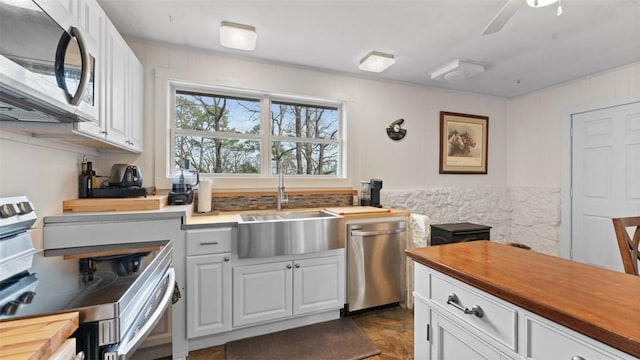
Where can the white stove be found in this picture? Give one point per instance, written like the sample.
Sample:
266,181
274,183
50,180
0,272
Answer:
120,290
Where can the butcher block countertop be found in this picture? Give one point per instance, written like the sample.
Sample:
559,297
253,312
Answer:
35,338
348,212
600,303
149,202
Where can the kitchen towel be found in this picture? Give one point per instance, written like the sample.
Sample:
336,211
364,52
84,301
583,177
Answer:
204,196
419,236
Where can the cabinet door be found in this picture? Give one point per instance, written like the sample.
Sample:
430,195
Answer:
135,103
117,65
262,292
208,294
92,19
451,341
318,284
422,329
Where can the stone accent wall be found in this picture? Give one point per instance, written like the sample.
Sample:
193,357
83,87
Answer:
485,206
536,218
530,216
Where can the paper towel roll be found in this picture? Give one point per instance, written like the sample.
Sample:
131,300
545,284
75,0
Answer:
204,196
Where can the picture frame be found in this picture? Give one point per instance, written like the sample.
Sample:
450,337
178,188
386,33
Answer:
464,143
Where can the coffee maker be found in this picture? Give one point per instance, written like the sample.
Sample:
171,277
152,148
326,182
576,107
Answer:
370,192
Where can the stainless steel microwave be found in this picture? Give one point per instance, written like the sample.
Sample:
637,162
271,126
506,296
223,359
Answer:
47,66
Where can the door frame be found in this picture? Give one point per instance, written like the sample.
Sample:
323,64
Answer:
566,204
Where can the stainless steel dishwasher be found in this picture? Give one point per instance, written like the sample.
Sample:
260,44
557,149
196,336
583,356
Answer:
374,258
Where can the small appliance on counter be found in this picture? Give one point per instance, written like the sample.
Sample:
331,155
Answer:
183,181
370,192
125,181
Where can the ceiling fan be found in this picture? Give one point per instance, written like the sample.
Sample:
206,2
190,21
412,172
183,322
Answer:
510,7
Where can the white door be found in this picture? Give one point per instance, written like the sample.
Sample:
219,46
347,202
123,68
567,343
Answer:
605,180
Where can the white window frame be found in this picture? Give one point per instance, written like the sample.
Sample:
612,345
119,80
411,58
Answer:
265,138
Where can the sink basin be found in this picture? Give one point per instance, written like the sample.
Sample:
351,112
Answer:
291,232
289,215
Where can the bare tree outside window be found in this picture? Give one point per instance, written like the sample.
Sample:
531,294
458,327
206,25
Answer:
224,134
204,124
305,138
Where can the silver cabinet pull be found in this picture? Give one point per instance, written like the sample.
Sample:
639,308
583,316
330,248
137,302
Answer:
577,357
208,243
226,258
475,310
297,266
288,266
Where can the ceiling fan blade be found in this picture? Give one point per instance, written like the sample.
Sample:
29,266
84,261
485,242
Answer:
501,18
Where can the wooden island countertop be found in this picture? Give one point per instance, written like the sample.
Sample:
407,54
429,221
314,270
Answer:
599,303
36,337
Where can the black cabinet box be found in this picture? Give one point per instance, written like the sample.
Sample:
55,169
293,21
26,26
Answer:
458,232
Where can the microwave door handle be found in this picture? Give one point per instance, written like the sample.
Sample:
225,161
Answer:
84,57
126,349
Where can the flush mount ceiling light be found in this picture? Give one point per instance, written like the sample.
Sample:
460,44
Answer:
543,3
376,61
457,70
540,3
238,36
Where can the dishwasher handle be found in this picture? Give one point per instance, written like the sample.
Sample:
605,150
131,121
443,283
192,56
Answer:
376,233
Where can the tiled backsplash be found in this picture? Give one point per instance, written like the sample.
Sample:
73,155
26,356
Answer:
266,200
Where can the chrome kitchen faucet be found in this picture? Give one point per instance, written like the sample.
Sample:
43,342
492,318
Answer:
282,196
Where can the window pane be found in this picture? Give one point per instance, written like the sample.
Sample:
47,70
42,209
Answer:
305,158
304,121
217,113
220,156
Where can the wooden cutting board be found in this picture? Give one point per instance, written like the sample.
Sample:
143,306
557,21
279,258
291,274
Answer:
151,202
35,338
353,210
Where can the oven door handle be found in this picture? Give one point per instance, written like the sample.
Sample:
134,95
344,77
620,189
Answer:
127,348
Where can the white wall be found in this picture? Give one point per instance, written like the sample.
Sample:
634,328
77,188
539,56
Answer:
370,107
44,171
534,131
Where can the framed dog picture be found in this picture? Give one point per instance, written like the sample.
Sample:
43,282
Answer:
464,141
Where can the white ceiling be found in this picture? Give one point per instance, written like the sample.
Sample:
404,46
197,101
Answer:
534,50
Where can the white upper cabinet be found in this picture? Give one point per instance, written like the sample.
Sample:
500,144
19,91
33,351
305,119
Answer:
118,75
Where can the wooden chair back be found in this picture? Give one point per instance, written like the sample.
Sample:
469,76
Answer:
628,245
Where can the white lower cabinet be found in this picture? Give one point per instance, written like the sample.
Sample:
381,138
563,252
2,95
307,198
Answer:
438,337
443,330
278,290
208,292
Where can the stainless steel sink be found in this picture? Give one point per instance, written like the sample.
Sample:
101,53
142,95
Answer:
291,232
289,215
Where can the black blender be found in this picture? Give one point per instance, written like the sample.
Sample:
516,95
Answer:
183,181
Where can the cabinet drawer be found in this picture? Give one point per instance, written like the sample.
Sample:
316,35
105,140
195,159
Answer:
209,241
545,341
498,320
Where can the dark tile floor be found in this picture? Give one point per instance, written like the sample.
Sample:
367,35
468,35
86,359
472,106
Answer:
390,329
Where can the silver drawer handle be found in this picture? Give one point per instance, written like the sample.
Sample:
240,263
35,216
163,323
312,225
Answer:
209,243
475,310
